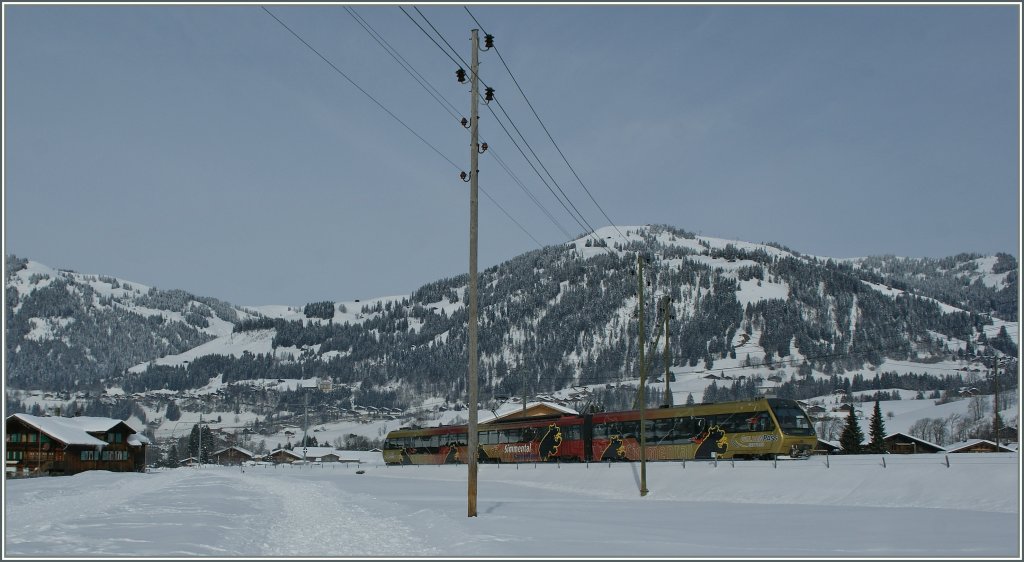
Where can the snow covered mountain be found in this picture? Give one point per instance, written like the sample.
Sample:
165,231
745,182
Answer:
743,316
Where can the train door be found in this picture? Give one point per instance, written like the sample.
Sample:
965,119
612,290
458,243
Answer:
588,437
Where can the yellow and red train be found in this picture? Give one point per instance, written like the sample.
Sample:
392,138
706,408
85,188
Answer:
761,428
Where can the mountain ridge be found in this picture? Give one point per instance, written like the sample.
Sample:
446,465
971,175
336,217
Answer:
551,318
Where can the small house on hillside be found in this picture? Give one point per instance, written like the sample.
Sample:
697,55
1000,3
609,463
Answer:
902,443
64,446
232,456
977,446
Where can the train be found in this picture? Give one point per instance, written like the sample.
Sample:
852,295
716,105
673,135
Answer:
761,428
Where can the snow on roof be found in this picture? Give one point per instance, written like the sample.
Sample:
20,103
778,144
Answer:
287,452
531,405
317,451
918,439
237,448
72,431
954,447
137,439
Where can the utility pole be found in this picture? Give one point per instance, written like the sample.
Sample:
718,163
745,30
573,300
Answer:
473,445
200,440
305,425
666,304
995,405
643,376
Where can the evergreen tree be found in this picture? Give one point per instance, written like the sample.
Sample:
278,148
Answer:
877,431
689,399
206,441
852,437
172,457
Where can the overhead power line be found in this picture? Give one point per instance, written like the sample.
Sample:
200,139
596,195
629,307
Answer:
447,106
546,131
567,203
360,88
395,117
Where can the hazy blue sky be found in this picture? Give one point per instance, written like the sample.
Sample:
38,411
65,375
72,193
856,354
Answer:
205,148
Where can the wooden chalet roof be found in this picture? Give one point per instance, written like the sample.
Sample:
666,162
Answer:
73,431
536,410
964,445
286,452
903,437
245,452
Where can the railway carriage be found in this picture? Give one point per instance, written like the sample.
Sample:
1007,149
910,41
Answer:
760,428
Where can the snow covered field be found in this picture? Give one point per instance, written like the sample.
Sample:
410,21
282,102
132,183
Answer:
854,506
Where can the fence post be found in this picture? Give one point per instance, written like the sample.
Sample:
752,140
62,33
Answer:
775,461
826,460
883,462
947,461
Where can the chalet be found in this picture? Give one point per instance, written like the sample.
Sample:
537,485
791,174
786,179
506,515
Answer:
232,456
827,447
816,410
284,456
901,443
64,446
533,411
319,454
977,446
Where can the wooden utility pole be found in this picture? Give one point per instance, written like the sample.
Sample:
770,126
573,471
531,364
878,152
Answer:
472,445
643,375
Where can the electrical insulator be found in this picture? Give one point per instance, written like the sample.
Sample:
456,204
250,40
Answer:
483,148
465,122
488,41
488,94
463,176
461,75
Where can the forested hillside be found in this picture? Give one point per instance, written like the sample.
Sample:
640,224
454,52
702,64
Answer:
549,319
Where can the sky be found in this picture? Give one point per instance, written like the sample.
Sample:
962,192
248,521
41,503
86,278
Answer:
207,148
849,507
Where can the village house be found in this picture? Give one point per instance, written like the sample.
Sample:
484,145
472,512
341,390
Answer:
48,445
284,456
232,456
977,446
902,443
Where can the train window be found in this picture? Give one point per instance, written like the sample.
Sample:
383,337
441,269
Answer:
514,435
571,433
600,430
792,419
759,421
663,431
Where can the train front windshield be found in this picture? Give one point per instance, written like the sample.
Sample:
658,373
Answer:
792,419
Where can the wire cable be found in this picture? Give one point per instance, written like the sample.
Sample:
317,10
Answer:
578,217
551,138
358,87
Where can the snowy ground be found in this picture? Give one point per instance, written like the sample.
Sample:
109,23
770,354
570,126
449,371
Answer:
913,506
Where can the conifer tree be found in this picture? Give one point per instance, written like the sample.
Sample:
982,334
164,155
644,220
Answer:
852,436
877,431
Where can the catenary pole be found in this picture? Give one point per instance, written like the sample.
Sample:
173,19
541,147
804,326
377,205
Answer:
473,438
